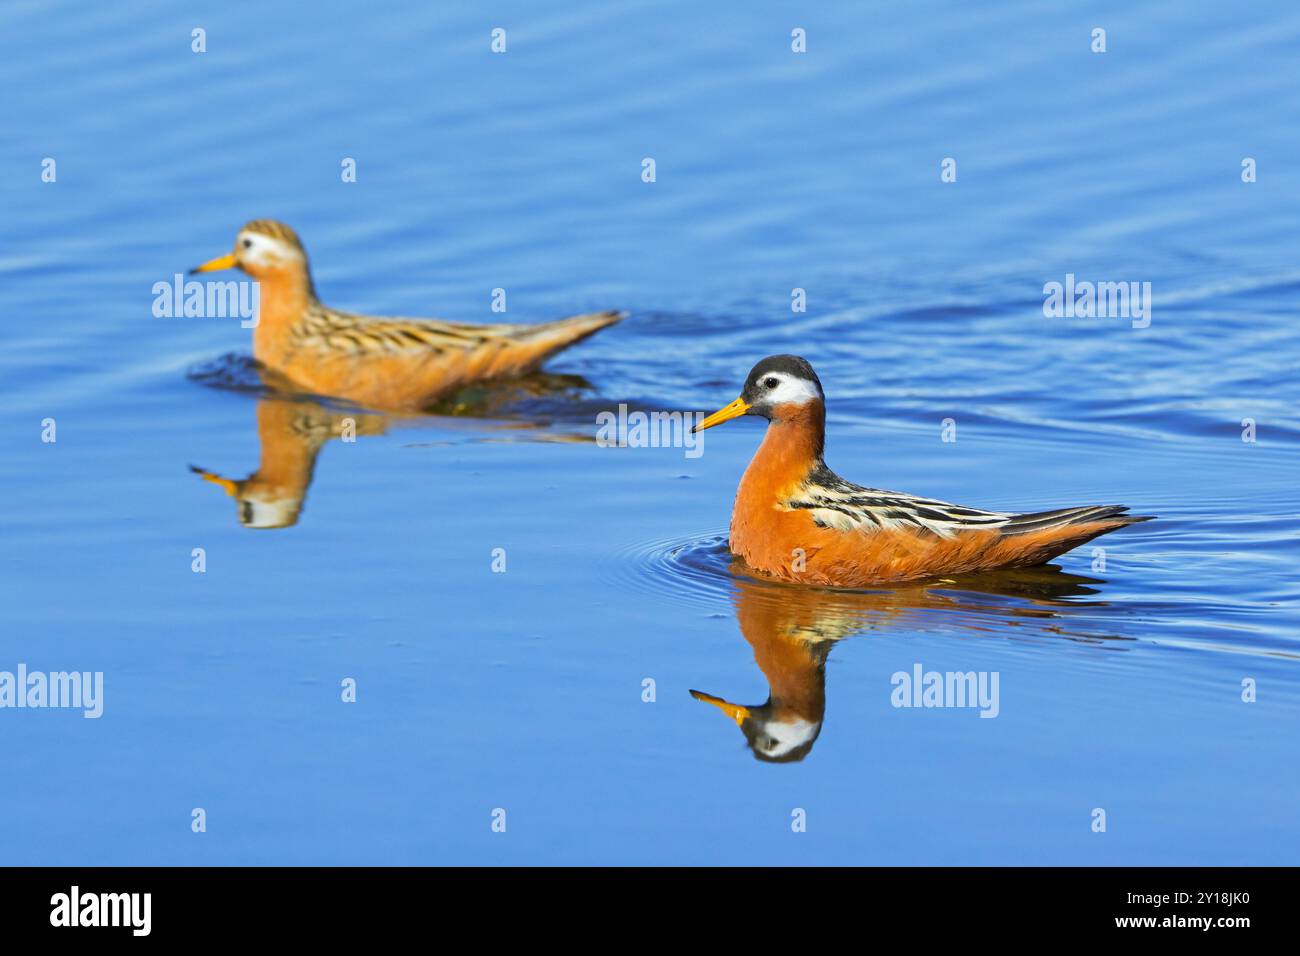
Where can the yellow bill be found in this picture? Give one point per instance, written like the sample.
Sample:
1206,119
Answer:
228,261
735,711
734,410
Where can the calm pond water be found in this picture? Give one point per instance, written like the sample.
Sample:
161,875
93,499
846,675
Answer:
1120,674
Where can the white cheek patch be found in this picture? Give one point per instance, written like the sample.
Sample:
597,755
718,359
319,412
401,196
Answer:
266,251
789,390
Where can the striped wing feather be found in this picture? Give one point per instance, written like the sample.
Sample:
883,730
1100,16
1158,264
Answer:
835,503
362,335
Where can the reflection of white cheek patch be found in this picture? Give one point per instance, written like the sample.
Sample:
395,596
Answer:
789,735
268,512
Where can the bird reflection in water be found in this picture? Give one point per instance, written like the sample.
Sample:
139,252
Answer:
291,434
792,629
292,431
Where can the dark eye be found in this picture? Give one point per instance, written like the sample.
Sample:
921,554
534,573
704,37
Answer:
771,383
248,243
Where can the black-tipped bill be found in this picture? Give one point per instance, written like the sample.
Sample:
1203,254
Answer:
734,410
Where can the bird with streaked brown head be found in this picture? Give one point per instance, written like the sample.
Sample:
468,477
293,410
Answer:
383,363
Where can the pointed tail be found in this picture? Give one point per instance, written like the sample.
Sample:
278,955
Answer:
1039,536
565,332
531,345
1108,516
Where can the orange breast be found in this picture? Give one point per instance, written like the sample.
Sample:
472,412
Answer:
766,534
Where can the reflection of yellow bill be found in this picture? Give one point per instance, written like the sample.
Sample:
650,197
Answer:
726,414
735,711
225,484
216,265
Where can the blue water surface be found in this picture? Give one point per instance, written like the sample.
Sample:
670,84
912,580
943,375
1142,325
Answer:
1121,672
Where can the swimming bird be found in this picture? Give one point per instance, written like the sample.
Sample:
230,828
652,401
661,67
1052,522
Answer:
382,363
797,520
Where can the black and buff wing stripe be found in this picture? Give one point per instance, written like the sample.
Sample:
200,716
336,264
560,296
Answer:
835,503
343,332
